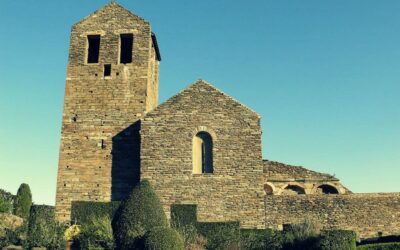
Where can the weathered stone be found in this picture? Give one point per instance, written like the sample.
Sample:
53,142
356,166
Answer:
200,147
234,191
369,215
100,142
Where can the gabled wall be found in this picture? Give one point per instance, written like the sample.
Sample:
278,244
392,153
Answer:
234,192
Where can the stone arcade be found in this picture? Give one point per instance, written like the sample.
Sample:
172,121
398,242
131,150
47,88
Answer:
199,147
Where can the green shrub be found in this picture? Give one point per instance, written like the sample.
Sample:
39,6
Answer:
275,240
183,215
83,212
97,234
380,246
220,235
300,236
140,213
338,240
163,238
301,231
184,220
13,236
6,201
23,201
254,239
43,230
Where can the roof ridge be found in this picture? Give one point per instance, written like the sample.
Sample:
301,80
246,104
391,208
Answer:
111,3
191,86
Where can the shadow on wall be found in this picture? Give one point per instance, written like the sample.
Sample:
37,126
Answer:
125,170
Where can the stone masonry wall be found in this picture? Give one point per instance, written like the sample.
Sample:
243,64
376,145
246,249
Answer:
100,142
234,192
366,214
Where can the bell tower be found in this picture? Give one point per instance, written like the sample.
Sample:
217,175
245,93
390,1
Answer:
112,81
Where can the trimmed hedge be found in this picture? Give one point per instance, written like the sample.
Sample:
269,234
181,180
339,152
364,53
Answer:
140,213
220,235
255,239
380,246
163,238
43,230
183,215
83,212
338,240
23,201
381,239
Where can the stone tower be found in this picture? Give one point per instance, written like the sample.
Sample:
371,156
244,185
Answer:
112,81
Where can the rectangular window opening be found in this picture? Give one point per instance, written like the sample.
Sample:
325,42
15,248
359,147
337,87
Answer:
107,70
126,43
93,48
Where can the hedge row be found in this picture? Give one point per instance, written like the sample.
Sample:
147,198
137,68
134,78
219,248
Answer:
82,212
380,246
183,215
219,235
225,235
256,239
337,240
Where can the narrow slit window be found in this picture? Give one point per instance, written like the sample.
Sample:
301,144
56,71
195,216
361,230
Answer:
107,70
203,153
126,44
93,48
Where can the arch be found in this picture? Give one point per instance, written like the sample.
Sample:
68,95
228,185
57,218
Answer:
202,153
293,190
327,189
269,189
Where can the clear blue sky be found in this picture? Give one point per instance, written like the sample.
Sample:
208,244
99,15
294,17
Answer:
324,75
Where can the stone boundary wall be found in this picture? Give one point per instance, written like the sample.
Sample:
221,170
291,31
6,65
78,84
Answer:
366,214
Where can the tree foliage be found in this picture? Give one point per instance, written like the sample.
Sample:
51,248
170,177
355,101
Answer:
141,212
163,238
6,201
23,201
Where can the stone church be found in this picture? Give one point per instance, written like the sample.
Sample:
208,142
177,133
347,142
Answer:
199,147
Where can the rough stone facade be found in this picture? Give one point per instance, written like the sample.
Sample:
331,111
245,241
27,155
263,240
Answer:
369,215
199,147
100,141
234,191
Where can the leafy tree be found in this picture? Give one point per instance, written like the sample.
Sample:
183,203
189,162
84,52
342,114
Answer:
140,213
23,201
6,201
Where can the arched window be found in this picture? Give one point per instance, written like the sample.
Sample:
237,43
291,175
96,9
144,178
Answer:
268,189
327,189
293,190
202,153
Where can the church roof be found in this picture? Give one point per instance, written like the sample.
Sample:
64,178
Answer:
201,87
276,171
